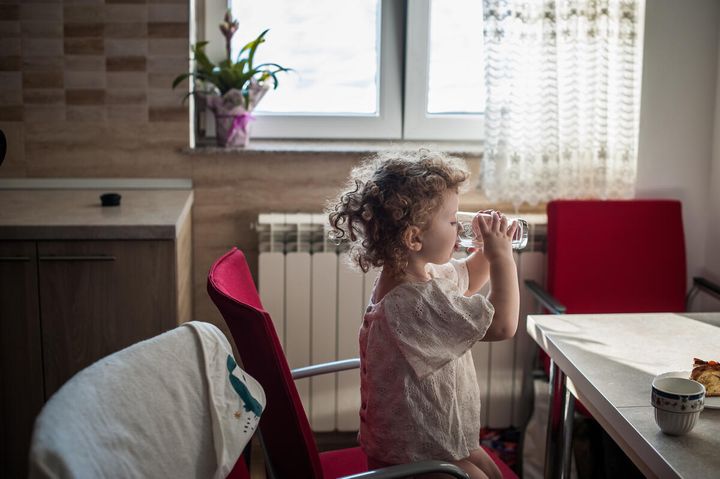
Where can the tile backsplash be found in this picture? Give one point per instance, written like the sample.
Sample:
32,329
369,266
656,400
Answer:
92,60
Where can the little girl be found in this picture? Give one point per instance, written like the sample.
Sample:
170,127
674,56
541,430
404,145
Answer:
420,398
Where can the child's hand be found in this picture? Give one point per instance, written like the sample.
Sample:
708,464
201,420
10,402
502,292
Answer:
504,291
496,235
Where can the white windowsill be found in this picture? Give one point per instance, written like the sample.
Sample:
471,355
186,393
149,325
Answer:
337,146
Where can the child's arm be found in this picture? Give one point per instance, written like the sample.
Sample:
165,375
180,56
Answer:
504,294
478,272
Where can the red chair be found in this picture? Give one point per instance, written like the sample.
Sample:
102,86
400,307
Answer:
614,256
284,428
618,256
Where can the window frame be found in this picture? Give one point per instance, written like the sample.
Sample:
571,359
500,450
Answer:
403,91
418,124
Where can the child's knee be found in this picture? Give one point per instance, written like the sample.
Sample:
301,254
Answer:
484,462
474,470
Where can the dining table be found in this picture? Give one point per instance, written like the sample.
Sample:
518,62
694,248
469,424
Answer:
608,362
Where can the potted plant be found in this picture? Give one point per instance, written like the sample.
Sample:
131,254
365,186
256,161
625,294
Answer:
232,89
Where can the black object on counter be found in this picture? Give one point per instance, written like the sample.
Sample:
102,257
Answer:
110,199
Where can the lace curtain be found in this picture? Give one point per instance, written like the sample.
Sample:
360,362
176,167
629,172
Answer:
562,111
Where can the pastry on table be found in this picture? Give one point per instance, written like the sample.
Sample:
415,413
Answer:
707,373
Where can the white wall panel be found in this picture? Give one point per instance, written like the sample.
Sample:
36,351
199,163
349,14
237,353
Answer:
271,287
323,393
297,318
351,304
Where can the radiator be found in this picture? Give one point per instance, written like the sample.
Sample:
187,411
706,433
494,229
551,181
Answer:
317,301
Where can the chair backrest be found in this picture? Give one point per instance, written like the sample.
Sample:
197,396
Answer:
284,427
175,405
616,256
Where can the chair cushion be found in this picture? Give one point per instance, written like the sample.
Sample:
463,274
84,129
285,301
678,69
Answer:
505,470
343,462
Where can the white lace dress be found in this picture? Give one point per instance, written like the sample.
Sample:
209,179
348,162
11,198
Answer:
419,394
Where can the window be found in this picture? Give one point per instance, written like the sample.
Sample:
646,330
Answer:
444,87
375,69
333,52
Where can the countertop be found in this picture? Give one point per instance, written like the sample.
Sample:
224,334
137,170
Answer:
67,213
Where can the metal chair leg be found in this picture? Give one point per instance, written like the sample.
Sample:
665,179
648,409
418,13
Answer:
568,415
557,379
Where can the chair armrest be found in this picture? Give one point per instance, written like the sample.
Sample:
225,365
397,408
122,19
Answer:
706,285
701,284
324,368
545,298
412,469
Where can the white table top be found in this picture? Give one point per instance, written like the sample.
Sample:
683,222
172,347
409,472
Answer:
610,361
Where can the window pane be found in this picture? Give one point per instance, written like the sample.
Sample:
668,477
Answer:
456,69
333,48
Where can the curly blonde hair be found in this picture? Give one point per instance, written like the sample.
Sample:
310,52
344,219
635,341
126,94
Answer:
387,194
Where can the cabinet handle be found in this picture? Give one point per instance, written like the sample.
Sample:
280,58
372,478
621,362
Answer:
78,258
14,258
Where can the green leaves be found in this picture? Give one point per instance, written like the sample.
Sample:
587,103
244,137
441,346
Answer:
271,73
227,75
180,78
252,48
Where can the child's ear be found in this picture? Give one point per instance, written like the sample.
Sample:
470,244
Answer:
413,238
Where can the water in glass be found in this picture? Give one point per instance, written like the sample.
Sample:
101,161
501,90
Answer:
468,239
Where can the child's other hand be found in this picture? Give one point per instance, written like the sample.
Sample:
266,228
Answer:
496,235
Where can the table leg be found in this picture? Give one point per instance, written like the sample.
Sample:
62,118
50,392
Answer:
567,432
557,384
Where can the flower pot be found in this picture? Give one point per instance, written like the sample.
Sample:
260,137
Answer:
232,116
232,130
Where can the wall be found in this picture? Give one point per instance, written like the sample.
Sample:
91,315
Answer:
677,115
85,88
711,267
85,92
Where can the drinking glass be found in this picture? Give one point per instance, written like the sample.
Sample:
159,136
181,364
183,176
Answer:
468,239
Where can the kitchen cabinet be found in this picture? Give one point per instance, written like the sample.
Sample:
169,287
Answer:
21,369
79,282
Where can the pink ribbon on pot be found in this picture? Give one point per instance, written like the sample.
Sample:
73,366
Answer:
240,121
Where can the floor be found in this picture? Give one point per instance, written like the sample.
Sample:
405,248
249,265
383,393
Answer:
595,454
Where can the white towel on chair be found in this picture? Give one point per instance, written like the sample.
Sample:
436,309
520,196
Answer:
164,407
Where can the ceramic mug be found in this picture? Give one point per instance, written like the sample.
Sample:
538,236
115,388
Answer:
678,403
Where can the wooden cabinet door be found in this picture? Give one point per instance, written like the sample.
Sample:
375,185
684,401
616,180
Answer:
21,374
98,297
